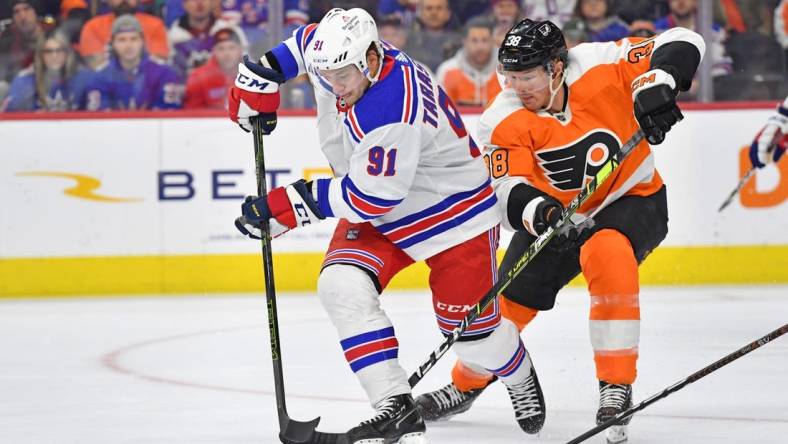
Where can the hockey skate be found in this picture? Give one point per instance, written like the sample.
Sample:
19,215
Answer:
614,399
396,422
448,401
528,403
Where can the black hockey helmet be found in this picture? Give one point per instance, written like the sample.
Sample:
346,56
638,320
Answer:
530,44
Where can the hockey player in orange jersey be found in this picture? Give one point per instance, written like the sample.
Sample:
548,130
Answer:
561,116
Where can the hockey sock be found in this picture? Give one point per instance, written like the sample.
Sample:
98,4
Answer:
465,378
519,314
611,270
501,353
366,335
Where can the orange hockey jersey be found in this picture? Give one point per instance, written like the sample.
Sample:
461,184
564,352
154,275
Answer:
558,156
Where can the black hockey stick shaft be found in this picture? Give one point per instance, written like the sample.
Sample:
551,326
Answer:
747,176
681,384
535,247
736,190
290,430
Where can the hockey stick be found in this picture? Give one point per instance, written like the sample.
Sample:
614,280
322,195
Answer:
679,385
782,142
290,430
535,247
737,189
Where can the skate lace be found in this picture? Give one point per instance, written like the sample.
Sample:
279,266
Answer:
448,396
385,410
525,399
613,395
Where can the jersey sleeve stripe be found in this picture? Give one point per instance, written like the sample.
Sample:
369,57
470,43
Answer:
287,61
366,206
409,105
352,123
304,36
322,197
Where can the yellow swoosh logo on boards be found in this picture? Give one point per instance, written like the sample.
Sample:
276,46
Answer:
84,189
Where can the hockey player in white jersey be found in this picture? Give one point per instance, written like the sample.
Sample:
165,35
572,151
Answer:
409,184
771,141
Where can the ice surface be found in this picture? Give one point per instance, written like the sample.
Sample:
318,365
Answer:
197,369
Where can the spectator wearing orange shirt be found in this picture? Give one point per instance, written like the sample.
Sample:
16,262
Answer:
208,84
781,25
95,36
469,77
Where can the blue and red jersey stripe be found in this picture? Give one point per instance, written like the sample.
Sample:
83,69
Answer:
367,206
445,215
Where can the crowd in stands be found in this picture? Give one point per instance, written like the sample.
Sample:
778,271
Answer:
66,55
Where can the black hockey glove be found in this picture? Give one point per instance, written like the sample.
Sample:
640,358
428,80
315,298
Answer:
547,212
654,95
572,235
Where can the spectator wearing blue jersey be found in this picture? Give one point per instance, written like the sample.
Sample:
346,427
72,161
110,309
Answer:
600,22
252,17
54,82
132,80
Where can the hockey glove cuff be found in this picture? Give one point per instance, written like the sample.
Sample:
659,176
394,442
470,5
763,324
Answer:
540,213
654,95
284,208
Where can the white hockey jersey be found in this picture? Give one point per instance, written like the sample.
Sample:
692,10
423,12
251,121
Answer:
401,156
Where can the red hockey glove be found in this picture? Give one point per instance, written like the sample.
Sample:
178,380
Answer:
255,93
285,208
770,142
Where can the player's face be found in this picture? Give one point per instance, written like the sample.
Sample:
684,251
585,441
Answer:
347,82
128,46
531,86
228,54
54,55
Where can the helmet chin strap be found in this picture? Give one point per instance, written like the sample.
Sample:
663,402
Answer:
553,92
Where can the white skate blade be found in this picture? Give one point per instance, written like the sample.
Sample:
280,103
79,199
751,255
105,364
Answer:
413,438
410,438
616,434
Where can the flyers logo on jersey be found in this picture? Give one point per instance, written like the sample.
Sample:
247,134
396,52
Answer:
568,167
